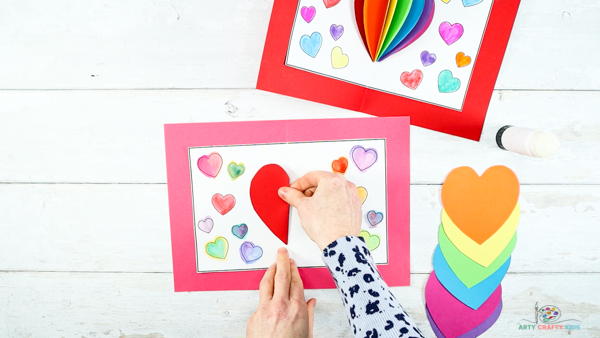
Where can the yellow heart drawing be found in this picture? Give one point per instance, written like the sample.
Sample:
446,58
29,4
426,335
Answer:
362,193
445,1
338,59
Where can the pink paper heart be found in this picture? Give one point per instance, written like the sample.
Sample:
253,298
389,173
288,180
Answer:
210,165
363,158
451,316
308,13
223,204
450,33
206,224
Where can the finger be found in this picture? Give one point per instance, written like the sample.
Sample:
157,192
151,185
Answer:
311,315
310,180
291,196
309,192
282,275
266,285
296,287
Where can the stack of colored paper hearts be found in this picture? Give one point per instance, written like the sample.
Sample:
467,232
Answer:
476,239
387,27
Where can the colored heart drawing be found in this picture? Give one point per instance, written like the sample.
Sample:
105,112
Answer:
463,319
217,248
340,165
472,297
372,241
223,204
235,170
250,253
477,331
311,44
363,158
271,209
240,231
412,80
450,33
362,193
468,271
210,165
462,60
469,3
308,13
447,83
330,3
427,59
336,31
338,58
472,201
445,1
374,217
206,224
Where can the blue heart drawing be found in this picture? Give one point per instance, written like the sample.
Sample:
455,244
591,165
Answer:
374,217
250,253
448,83
239,230
311,44
469,3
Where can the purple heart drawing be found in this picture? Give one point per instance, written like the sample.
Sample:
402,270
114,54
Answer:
239,230
206,224
250,253
450,33
308,13
374,217
363,158
427,58
336,31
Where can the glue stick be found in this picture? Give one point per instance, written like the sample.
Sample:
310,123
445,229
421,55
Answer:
525,141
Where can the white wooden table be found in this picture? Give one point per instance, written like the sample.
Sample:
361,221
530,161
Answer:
86,86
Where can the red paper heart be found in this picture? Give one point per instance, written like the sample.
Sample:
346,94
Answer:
271,209
413,79
223,204
330,3
340,165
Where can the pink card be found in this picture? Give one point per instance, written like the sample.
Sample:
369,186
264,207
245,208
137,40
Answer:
222,178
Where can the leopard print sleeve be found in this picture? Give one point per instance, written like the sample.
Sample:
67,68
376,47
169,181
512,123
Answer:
372,309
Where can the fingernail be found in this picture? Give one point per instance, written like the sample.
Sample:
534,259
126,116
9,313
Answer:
282,250
292,261
282,191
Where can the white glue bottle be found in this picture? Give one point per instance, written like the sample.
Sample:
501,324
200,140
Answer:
525,141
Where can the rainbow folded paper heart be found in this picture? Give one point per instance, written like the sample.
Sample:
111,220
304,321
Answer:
476,239
386,27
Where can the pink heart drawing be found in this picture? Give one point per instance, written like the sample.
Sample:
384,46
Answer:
413,79
363,158
223,204
308,13
450,33
374,217
210,165
206,224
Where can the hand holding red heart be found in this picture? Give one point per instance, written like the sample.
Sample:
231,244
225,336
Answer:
328,205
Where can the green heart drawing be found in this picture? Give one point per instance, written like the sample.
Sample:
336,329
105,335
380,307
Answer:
448,83
371,240
235,170
217,248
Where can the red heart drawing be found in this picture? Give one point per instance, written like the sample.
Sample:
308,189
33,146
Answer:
340,165
271,209
330,3
223,204
413,79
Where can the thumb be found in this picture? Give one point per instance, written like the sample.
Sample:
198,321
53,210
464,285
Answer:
311,315
292,196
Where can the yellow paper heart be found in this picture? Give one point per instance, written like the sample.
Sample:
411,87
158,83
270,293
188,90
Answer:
338,59
485,253
362,193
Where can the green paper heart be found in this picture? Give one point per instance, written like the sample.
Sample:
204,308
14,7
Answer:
235,170
217,248
371,240
468,271
448,83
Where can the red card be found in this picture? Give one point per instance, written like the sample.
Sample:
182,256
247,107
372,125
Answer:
465,122
390,165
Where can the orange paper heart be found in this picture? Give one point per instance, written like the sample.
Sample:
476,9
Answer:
479,206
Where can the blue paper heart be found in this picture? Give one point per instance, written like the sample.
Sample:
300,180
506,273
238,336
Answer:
311,44
472,297
447,83
469,3
250,253
239,230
